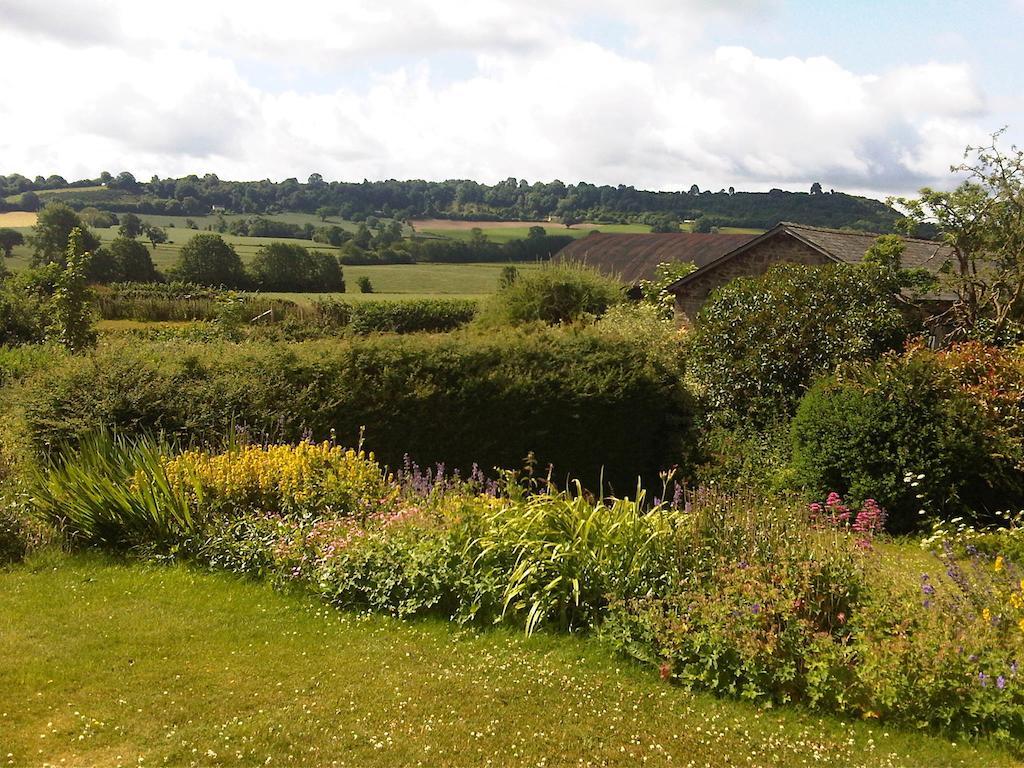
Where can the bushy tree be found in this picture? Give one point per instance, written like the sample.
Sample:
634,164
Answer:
207,260
365,286
131,226
49,239
132,261
759,342
290,267
155,235
554,293
8,239
982,221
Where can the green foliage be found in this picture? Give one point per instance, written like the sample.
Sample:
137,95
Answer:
288,267
52,231
365,286
982,220
432,315
555,293
70,307
666,273
131,226
581,401
22,314
132,261
8,239
866,430
114,492
759,342
208,260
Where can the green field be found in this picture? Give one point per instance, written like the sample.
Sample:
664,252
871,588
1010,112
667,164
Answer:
108,663
387,279
505,234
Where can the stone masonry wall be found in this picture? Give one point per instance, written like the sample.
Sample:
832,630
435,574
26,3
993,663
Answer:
752,262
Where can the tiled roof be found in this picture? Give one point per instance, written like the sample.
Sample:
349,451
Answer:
851,246
634,257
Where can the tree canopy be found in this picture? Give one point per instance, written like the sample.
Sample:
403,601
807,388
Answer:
207,260
53,228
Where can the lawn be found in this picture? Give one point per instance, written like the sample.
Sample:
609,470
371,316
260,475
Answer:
107,663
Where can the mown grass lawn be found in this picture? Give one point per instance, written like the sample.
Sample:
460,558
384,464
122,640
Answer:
106,663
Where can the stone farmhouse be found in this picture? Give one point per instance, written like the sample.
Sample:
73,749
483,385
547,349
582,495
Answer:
794,244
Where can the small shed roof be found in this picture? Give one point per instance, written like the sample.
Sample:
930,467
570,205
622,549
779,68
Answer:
634,257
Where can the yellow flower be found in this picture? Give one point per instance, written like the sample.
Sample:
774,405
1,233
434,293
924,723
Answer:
986,615
999,563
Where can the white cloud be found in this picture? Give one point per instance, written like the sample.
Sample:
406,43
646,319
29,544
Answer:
170,89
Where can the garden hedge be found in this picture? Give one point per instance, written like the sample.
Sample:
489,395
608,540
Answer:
581,402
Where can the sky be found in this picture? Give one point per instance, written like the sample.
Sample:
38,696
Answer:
875,97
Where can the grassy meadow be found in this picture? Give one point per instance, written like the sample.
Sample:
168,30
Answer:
103,662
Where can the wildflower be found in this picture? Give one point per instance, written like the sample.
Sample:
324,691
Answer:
755,608
986,614
998,564
928,589
1000,682
983,679
665,670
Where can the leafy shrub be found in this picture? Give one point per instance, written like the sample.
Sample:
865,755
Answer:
22,315
865,430
577,400
555,293
410,316
365,286
301,481
759,342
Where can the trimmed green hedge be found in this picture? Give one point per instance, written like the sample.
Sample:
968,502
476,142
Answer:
576,400
432,315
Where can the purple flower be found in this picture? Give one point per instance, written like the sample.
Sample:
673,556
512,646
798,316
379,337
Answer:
928,589
1000,682
756,608
983,679
1013,668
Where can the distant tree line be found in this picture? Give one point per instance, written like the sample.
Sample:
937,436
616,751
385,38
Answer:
512,199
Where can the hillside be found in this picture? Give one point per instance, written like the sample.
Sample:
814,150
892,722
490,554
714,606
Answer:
452,199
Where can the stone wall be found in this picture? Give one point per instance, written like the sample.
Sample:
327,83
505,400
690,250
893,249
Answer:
783,248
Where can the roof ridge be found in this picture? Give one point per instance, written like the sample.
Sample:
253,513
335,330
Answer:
836,231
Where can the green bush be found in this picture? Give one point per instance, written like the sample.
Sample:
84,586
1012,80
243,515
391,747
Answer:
554,293
22,315
289,267
864,432
411,316
576,400
759,342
